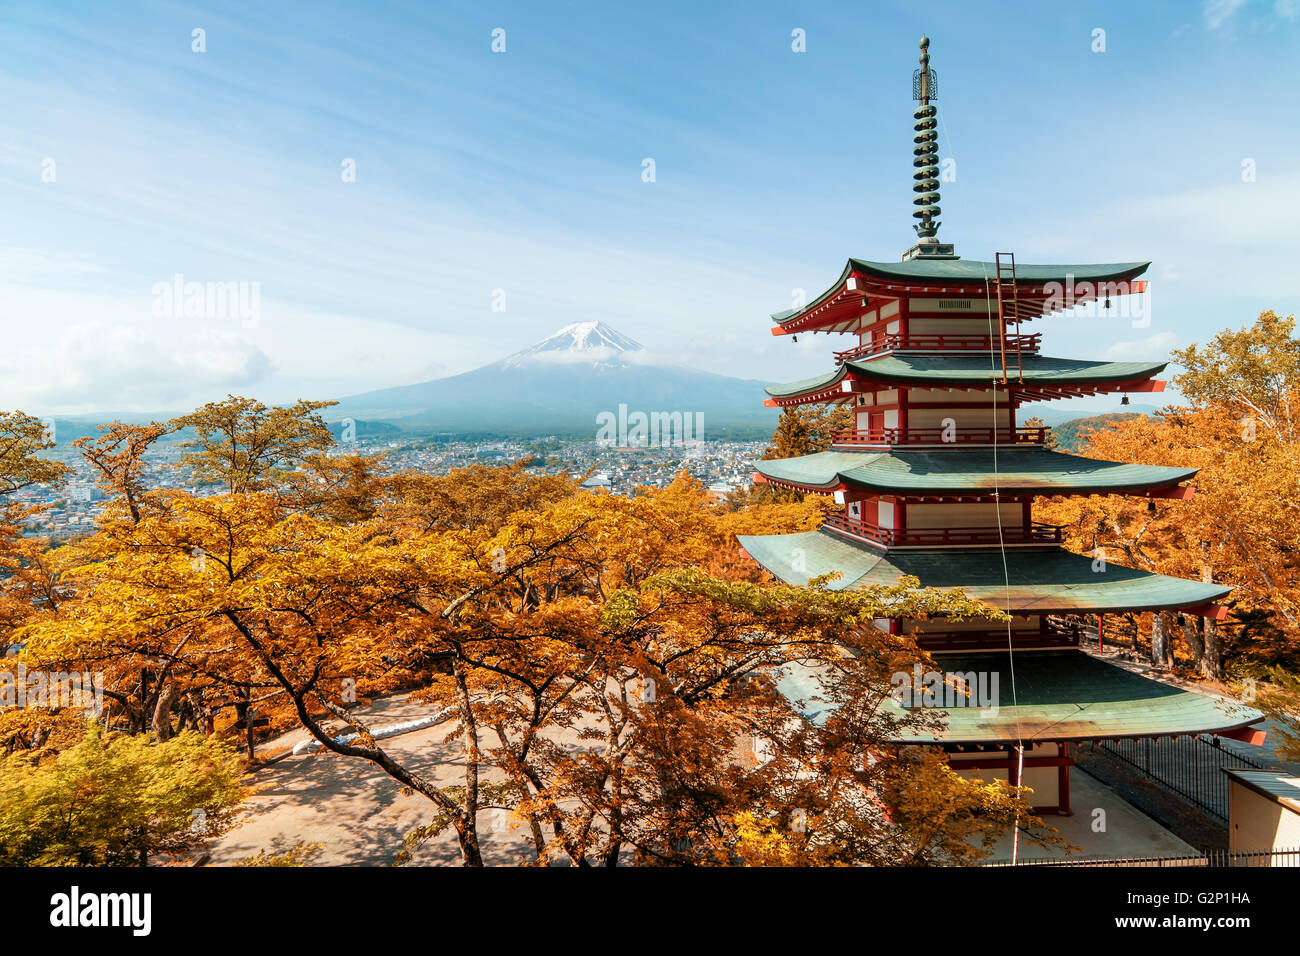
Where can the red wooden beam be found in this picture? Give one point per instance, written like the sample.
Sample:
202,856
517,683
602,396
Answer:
1177,492
1215,612
1249,735
1150,385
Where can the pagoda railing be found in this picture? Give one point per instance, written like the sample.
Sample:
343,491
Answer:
1021,435
1048,635
937,342
1036,533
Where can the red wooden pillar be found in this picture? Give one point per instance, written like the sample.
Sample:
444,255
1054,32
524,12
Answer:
1063,782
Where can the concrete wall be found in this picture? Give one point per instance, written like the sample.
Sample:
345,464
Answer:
965,416
968,515
1258,823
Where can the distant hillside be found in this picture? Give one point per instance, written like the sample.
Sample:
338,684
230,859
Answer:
1058,416
364,429
1069,435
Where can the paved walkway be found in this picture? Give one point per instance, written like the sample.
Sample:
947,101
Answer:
356,811
1119,830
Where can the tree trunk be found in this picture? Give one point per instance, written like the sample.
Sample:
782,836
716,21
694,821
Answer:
1158,651
1212,661
162,711
1194,642
467,831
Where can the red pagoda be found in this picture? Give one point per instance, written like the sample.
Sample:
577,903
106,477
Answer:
937,481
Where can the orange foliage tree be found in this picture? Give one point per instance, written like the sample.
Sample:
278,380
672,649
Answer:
608,666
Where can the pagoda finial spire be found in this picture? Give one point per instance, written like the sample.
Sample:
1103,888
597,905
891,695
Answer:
925,87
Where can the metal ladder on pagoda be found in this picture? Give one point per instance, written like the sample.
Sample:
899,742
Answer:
1008,309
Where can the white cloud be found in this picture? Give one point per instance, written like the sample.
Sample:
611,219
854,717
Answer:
1218,12
71,352
123,367
1290,9
1153,348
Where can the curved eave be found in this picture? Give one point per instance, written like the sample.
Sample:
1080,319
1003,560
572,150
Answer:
969,471
922,270
809,388
1060,695
1041,581
979,369
954,276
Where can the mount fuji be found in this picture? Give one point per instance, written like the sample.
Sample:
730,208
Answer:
560,386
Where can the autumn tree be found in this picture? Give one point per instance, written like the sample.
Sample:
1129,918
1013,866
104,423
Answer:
116,800
22,439
805,429
552,621
801,430
117,458
243,445
608,662
1241,526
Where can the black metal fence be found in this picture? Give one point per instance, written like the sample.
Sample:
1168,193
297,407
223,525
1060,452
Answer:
1191,767
1211,858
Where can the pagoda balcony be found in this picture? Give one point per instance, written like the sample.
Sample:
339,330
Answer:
1049,634
888,437
938,342
1035,533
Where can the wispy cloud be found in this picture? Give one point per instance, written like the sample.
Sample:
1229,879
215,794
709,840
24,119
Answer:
1218,12
1153,348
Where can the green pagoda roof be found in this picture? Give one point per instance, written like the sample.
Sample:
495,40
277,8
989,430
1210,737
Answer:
1059,695
1042,580
964,470
971,270
973,368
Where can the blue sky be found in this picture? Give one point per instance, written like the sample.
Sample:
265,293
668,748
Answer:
521,171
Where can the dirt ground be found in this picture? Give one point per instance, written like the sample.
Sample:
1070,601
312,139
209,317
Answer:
358,812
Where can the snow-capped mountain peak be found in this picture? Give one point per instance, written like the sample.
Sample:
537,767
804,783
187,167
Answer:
579,343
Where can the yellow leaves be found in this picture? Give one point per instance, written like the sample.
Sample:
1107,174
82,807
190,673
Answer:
22,438
116,799
603,654
246,446
302,853
762,843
